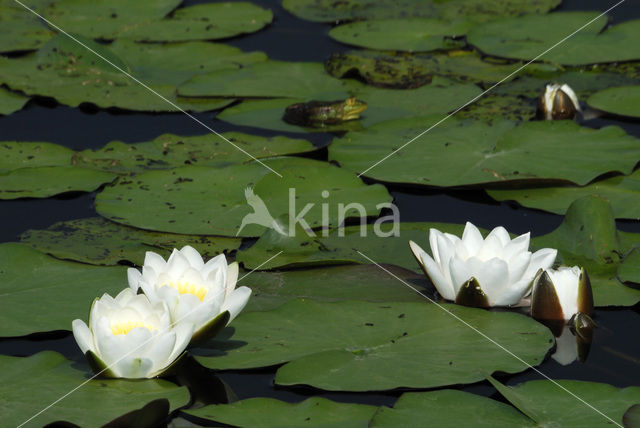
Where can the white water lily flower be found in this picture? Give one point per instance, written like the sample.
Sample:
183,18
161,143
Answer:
130,337
560,294
496,271
558,102
203,294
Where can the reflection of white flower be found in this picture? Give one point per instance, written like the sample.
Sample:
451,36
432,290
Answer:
496,271
566,348
203,294
130,336
560,294
559,102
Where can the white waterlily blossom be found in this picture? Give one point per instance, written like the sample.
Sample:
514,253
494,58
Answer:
130,337
561,293
194,291
503,267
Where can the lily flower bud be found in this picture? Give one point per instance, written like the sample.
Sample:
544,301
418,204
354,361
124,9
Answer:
558,102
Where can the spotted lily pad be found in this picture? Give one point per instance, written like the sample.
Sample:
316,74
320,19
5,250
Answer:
73,75
588,237
623,101
170,151
416,34
622,192
101,242
28,278
356,282
16,155
478,10
522,38
361,342
28,385
457,153
21,29
202,200
271,413
11,101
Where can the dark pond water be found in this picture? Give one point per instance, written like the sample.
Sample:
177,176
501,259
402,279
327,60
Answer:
614,356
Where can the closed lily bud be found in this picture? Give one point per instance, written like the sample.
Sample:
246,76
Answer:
558,102
560,295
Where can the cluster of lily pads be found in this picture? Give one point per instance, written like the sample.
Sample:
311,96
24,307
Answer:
320,312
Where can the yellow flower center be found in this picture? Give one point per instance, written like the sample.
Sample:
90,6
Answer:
124,327
189,288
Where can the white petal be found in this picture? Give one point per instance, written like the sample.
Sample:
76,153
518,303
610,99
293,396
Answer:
491,247
236,301
502,234
518,265
177,265
134,367
541,259
446,251
193,276
149,274
232,278
83,336
218,262
184,331
439,280
472,239
517,245
492,275
460,274
433,243
160,350
134,276
193,257
513,294
155,261
566,281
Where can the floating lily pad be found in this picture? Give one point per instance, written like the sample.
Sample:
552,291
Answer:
402,70
16,155
338,247
101,242
449,408
11,101
494,107
457,153
622,192
73,75
416,34
47,181
548,403
201,200
360,343
522,38
175,63
478,10
21,29
170,151
623,101
201,22
629,268
357,282
440,96
28,385
588,237
40,293
264,79
269,412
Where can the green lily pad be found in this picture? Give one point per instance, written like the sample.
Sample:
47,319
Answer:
170,151
522,38
360,344
40,293
73,75
415,34
402,70
175,63
15,155
46,181
357,282
201,22
477,10
101,242
202,200
623,101
458,153
269,412
588,237
11,101
449,408
629,268
28,385
494,107
21,30
338,247
264,79
622,192
548,404
440,96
